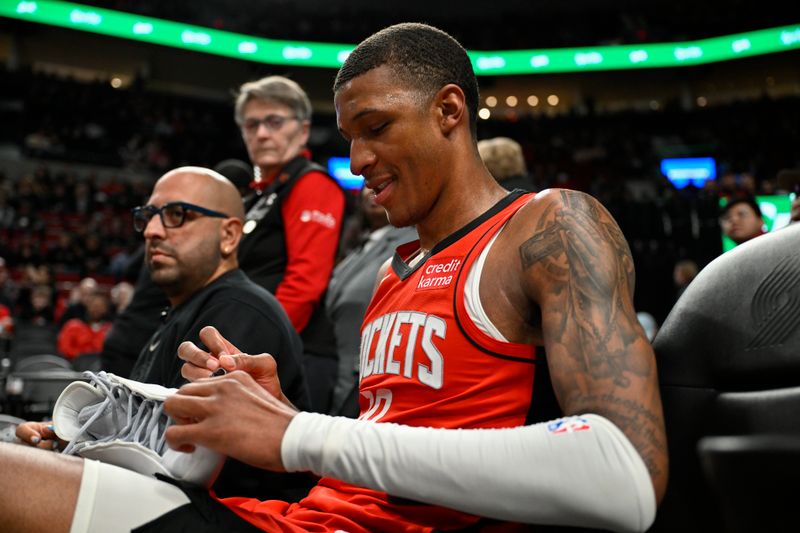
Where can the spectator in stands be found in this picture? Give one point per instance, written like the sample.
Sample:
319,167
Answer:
7,299
682,275
78,336
6,324
789,182
95,260
239,173
27,251
37,306
36,298
741,220
8,289
747,184
505,161
7,211
121,295
728,185
83,198
293,223
65,255
78,300
350,291
118,263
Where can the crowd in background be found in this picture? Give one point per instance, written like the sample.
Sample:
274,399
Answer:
144,131
58,227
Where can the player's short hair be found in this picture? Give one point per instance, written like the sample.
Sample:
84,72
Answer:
421,56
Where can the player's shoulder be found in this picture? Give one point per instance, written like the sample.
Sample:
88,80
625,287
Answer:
545,206
556,198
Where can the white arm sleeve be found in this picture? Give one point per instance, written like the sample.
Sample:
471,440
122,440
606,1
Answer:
588,474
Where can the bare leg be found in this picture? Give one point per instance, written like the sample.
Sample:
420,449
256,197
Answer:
38,489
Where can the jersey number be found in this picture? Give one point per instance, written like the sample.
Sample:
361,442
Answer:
382,399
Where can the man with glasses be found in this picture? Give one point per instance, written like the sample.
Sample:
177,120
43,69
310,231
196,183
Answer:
192,226
293,222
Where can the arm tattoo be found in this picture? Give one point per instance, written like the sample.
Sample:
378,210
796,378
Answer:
588,257
636,422
588,278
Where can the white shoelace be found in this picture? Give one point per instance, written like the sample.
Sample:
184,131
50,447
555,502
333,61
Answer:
144,419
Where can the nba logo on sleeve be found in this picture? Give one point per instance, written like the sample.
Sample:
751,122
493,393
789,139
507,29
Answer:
568,425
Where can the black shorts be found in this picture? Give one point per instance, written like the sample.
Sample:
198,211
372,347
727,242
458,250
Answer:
203,514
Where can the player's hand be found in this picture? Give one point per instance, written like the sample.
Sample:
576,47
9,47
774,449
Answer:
231,414
40,435
796,209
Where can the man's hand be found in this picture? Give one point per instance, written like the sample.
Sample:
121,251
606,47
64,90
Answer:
796,209
233,415
201,364
39,434
222,354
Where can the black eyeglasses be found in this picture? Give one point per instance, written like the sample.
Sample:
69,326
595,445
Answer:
271,122
173,214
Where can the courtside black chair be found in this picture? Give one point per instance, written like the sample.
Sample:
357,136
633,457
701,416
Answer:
30,339
37,390
36,382
44,361
729,366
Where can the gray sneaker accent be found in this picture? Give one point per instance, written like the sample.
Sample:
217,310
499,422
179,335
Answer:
122,415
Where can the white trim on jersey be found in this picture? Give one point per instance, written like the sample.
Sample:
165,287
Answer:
472,295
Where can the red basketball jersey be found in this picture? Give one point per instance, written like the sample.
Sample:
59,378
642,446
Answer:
423,363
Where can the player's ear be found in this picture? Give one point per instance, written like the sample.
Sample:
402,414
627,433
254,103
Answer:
451,106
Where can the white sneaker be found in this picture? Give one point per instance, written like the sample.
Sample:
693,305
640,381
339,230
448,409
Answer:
121,422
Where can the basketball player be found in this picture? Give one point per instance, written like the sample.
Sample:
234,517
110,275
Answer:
505,299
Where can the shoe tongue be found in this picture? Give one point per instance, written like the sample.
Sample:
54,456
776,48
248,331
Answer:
104,425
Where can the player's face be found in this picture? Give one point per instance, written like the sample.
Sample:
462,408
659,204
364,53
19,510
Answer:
273,134
741,223
392,133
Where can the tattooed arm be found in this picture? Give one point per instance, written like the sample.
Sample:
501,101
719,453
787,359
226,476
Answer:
577,268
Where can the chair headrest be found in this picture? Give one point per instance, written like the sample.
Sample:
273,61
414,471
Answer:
737,325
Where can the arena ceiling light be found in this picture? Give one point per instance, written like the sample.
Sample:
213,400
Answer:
332,55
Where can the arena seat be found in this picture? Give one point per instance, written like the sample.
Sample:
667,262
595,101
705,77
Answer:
40,362
729,368
31,339
36,381
37,390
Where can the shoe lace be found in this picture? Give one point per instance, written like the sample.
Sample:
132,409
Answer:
122,415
